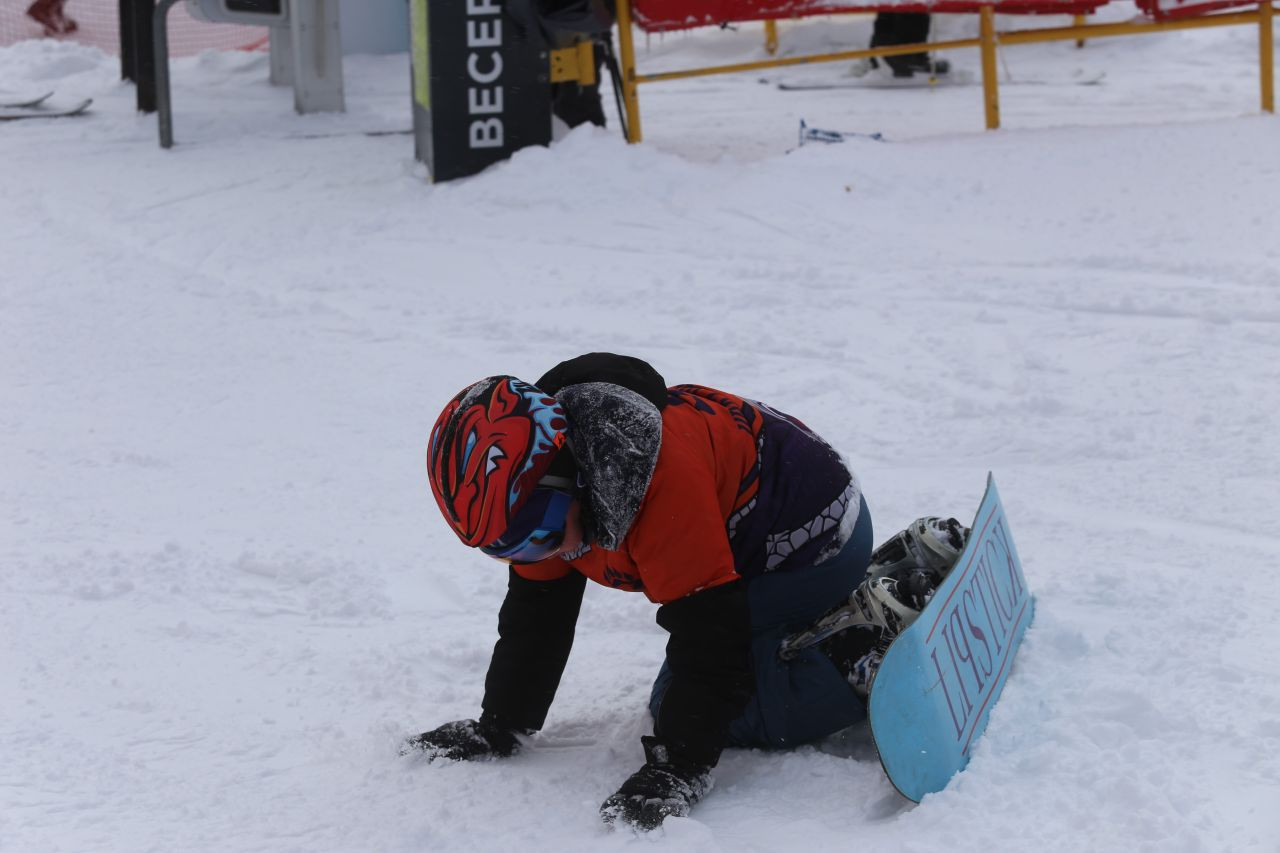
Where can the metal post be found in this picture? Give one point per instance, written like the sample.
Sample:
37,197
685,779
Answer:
1080,21
990,82
1267,55
128,52
627,47
144,65
281,47
160,46
317,56
771,37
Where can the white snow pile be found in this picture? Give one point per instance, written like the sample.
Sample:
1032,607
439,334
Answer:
226,593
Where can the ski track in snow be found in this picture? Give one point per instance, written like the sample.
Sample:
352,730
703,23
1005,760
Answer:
225,594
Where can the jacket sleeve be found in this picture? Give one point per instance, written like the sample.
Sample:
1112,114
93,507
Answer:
535,633
709,653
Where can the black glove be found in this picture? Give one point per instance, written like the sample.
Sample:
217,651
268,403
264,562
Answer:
661,788
464,740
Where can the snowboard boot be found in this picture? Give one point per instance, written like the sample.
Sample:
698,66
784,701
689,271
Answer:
857,653
906,67
878,611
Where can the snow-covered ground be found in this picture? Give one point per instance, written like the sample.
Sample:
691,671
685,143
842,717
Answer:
226,594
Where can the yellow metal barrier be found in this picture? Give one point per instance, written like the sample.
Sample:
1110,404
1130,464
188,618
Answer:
990,72
627,47
1267,56
577,62
987,42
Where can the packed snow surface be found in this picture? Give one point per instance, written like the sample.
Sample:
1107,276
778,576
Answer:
225,590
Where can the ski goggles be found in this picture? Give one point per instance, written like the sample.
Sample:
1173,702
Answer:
536,531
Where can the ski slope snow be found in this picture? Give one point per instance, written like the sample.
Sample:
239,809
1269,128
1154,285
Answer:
226,594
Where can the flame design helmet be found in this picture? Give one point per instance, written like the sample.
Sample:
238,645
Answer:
489,448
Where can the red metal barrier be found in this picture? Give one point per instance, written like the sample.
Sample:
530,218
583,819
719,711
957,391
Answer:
666,15
1168,10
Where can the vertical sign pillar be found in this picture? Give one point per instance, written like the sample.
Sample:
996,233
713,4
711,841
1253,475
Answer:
281,47
316,42
481,85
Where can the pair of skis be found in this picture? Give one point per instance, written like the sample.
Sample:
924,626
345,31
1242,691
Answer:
863,77
37,108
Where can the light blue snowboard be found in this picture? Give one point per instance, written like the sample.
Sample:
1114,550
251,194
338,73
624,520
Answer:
941,677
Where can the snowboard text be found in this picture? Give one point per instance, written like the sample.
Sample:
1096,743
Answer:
969,642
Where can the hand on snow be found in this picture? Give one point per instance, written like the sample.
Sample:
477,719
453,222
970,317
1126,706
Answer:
464,740
659,789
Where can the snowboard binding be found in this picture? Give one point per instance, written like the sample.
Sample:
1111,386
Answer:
930,544
900,581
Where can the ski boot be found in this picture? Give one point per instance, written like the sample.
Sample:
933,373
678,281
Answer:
906,67
50,15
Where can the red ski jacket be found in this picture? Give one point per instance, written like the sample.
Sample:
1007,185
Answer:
738,489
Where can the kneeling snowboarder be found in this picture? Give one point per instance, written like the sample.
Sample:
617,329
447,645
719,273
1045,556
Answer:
746,528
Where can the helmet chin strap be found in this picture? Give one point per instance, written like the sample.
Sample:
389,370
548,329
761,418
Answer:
563,484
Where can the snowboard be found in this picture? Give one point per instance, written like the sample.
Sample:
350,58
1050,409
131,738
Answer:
942,676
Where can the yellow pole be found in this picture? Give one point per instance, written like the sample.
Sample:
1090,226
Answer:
1080,22
788,61
627,47
990,84
1267,57
1126,28
771,37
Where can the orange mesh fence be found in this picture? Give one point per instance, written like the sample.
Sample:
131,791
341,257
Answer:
98,24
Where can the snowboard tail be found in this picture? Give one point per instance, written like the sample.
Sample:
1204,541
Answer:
942,676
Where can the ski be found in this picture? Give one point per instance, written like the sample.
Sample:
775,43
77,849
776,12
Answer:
9,114
31,104
880,81
955,78
817,134
1079,77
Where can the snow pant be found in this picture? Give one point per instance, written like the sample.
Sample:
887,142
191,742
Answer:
901,28
806,698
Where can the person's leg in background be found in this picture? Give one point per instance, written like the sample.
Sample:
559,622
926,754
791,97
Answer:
891,28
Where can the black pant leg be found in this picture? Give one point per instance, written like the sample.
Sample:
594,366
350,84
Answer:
901,28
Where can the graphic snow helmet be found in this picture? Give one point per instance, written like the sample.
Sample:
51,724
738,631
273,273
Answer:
490,448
